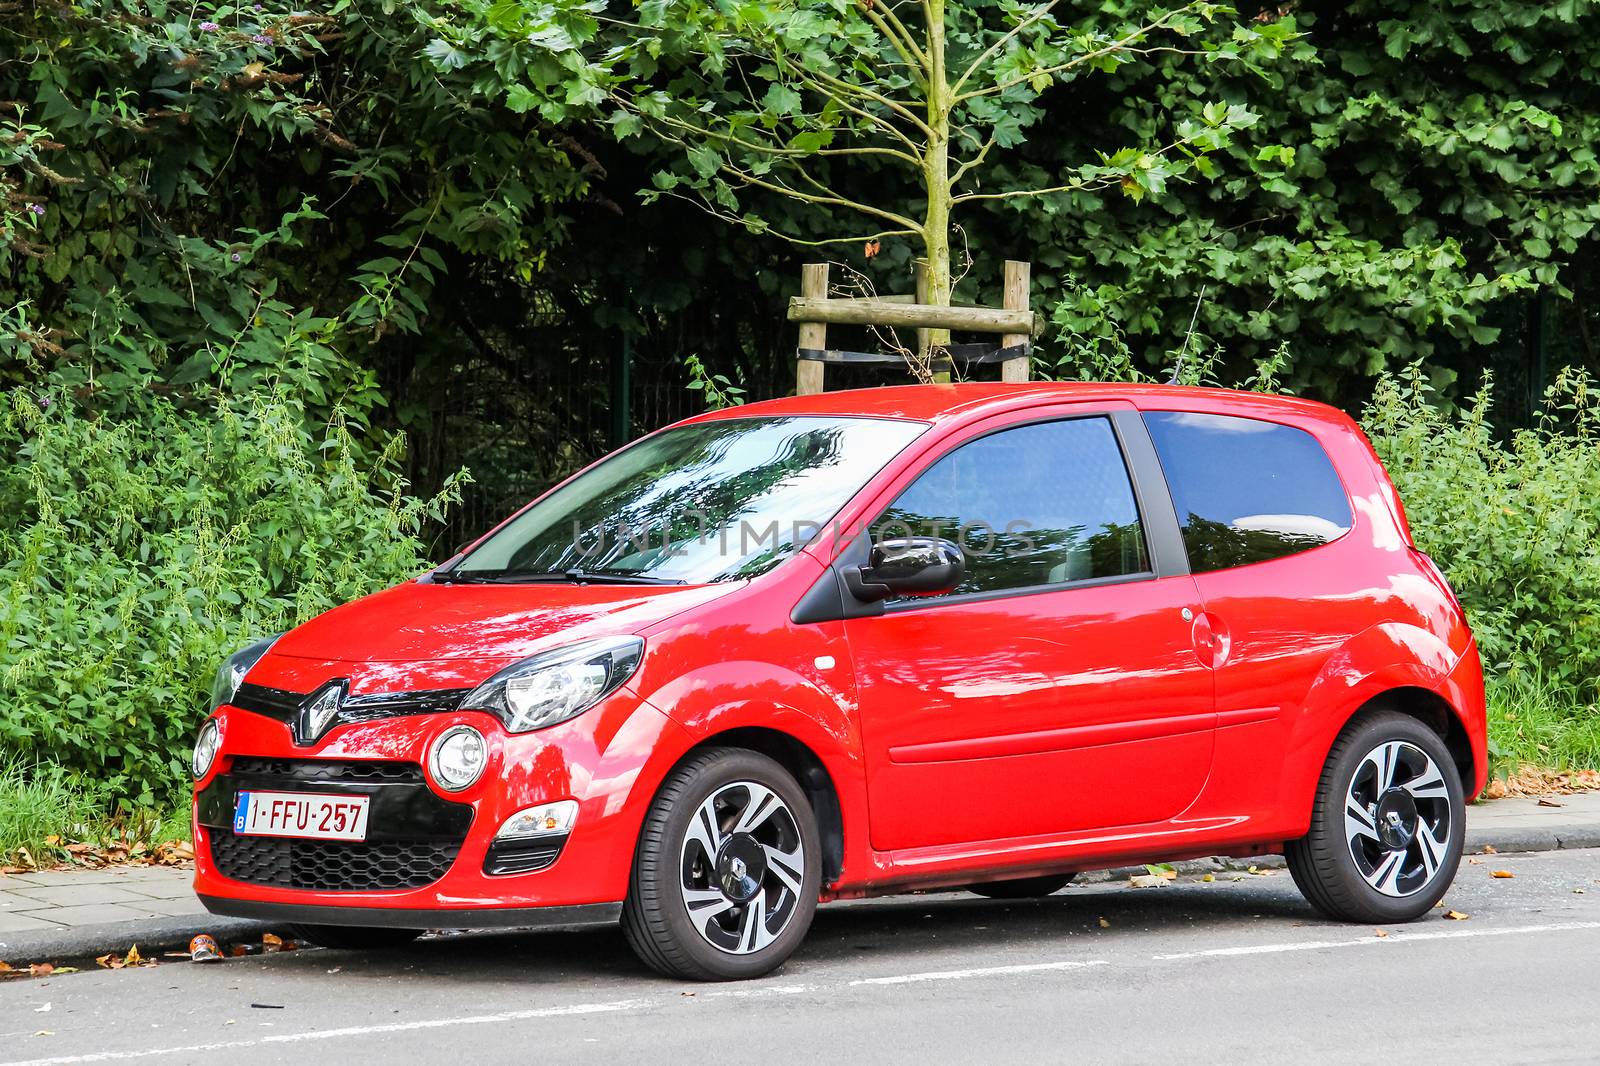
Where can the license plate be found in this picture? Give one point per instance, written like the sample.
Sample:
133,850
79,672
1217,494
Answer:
301,814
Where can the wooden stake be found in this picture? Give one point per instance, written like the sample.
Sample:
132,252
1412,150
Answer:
1016,299
901,315
808,373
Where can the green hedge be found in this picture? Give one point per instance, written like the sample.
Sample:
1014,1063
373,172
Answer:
138,549
1514,521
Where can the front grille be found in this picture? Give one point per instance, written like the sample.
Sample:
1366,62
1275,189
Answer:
330,866
297,771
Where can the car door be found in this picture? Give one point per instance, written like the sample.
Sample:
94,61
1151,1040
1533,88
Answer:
1264,518
1057,689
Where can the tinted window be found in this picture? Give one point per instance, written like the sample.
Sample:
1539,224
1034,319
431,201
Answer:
1247,491
1035,505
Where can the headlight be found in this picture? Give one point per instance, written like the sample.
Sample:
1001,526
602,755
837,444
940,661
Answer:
458,757
205,748
557,685
229,675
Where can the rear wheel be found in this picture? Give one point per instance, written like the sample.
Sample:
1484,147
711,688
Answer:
1388,825
1022,887
727,873
353,937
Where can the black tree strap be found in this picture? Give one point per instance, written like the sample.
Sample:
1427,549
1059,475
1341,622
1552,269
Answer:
966,354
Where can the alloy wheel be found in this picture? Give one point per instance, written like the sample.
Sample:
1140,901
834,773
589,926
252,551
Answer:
1397,818
743,867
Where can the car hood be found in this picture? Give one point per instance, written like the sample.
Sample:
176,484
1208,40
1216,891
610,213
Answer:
417,621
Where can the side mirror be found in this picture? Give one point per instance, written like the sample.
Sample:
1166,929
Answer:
907,565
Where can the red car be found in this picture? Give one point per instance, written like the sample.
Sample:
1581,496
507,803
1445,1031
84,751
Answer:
975,636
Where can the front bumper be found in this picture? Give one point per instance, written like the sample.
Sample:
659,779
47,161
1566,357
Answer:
423,862
576,917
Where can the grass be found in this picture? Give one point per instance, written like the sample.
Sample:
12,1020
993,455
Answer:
1533,722
44,808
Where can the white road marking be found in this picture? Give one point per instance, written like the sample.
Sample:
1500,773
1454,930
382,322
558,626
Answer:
355,1030
629,1005
1392,938
986,971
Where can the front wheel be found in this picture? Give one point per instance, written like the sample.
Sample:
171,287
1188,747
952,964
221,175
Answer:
1388,825
726,877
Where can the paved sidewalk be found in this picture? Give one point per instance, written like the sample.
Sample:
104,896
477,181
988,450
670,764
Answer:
1523,824
59,914
55,914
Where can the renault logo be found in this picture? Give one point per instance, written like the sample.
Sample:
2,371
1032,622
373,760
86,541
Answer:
319,711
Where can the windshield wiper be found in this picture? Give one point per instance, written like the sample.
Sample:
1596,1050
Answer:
617,577
532,577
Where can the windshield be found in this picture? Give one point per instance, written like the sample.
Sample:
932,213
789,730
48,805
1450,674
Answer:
714,501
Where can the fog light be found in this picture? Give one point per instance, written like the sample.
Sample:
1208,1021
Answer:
205,748
547,819
458,757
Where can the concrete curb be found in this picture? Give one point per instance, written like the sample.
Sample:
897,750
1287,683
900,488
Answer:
152,935
1554,838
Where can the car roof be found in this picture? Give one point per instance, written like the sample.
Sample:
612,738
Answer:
966,401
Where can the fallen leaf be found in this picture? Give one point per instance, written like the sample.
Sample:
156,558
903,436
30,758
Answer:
1550,803
1104,924
1207,877
1488,849
1502,873
1456,916
1474,862
110,961
1147,881
1579,891
42,1008
271,942
41,969
1381,933
5,967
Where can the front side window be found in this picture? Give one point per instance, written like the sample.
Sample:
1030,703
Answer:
1247,491
1037,505
713,501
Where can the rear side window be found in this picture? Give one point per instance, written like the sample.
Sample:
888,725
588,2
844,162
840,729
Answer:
1247,491
1037,505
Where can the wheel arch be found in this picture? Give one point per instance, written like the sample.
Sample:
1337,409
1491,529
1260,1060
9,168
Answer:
1433,711
808,770
1390,666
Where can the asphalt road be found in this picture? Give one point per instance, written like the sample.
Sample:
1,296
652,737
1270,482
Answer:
1227,971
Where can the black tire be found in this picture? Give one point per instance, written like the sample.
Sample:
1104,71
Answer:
1022,887
672,853
1324,862
353,937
